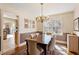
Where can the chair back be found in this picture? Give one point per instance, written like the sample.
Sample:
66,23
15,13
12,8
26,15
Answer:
52,44
32,47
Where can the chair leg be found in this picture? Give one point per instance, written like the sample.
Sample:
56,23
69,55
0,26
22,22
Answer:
52,52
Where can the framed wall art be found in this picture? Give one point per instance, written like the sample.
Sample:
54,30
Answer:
26,23
76,24
32,23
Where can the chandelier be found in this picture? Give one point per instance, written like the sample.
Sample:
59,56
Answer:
42,17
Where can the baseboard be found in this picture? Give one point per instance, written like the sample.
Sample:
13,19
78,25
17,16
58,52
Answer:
61,42
24,43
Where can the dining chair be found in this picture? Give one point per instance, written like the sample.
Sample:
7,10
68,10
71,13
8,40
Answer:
51,46
33,50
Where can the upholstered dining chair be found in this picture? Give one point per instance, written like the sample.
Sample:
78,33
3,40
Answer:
51,46
33,50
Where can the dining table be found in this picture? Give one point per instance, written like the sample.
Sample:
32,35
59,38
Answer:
43,42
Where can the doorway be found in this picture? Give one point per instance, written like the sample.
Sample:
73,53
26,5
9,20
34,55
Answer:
10,34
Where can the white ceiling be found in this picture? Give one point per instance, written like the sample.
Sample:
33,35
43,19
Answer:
49,8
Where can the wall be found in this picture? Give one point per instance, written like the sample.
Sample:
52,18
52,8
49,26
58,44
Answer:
76,14
39,26
76,11
21,14
67,21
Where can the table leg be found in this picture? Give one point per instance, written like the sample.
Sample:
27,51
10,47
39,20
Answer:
27,47
44,49
43,46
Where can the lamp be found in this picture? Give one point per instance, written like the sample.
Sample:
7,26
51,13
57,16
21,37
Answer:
42,17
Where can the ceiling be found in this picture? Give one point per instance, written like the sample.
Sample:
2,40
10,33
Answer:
49,8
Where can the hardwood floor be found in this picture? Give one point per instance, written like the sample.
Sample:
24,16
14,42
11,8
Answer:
0,52
17,51
59,50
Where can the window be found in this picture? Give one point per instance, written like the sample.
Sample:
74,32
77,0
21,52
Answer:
54,26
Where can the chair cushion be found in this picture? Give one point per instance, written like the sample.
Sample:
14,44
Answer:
33,35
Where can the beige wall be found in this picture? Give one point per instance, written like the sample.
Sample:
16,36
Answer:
66,18
39,26
76,14
76,11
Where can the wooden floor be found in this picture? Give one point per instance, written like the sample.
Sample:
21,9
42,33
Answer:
59,50
0,52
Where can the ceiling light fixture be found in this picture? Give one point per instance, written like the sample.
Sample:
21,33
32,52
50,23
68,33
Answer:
42,17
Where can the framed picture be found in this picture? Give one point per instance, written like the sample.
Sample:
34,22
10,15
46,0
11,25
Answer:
26,23
76,24
32,24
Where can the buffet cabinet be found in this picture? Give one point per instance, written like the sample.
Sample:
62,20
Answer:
74,44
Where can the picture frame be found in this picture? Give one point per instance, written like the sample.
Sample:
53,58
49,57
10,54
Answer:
76,24
26,23
32,23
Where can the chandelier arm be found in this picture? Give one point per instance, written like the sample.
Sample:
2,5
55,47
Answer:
41,17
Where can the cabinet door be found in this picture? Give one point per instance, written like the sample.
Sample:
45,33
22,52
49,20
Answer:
75,44
71,44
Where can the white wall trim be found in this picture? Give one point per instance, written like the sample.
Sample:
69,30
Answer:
24,43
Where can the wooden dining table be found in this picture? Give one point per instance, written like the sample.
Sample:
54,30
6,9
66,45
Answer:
46,39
